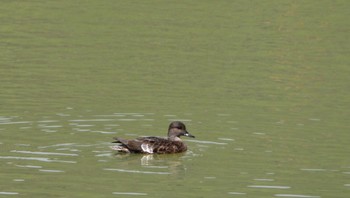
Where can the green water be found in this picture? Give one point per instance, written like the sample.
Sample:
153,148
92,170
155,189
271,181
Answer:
263,85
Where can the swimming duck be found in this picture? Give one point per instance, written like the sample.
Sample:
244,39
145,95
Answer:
172,144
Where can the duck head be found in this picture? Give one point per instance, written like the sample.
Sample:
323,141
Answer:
177,129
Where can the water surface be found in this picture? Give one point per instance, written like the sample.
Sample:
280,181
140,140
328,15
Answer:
262,85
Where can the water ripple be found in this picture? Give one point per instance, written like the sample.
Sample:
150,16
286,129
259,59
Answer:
226,139
49,126
271,187
206,142
19,122
44,153
312,169
236,193
128,193
105,132
8,193
92,120
42,159
47,121
18,180
137,171
28,166
126,119
57,145
51,171
293,195
264,179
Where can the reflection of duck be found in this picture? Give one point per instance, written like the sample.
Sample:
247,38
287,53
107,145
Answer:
172,144
152,164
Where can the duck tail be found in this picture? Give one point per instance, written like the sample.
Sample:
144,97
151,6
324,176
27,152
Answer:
116,140
120,140
121,149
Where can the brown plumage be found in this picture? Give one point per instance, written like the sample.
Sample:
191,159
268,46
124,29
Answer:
172,144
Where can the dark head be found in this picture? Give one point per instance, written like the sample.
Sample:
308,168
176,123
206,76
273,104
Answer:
177,129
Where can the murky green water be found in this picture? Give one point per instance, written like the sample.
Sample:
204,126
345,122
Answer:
263,85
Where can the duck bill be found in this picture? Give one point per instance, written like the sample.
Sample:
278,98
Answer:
189,135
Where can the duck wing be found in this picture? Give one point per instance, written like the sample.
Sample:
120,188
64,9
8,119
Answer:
150,144
138,145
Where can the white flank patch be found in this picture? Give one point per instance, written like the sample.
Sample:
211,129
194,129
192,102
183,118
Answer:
146,148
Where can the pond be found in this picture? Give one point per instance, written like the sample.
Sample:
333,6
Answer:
264,87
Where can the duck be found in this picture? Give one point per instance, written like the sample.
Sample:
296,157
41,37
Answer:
153,144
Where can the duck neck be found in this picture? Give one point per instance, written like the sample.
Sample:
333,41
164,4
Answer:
174,138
